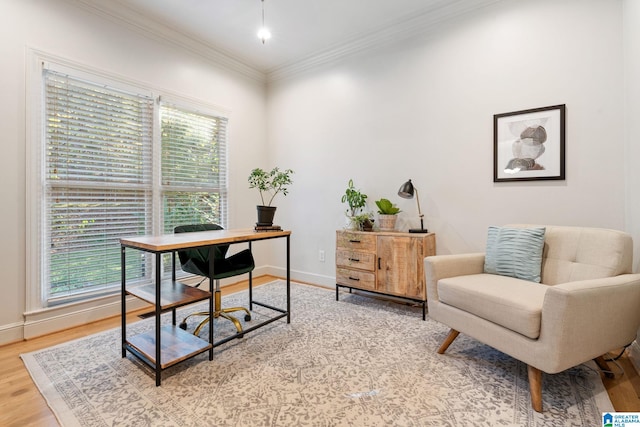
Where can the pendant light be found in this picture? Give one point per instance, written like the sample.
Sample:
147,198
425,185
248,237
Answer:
263,34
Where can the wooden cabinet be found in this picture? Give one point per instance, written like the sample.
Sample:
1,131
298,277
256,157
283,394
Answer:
389,263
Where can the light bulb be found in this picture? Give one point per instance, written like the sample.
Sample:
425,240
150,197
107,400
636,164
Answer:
264,34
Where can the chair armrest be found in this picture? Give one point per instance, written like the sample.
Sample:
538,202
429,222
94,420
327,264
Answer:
442,266
585,319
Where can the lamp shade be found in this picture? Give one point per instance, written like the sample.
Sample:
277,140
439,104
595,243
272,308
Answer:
406,190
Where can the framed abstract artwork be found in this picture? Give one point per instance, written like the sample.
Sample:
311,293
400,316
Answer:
529,145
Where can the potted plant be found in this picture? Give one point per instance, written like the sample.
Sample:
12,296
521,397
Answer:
269,184
357,201
387,214
363,221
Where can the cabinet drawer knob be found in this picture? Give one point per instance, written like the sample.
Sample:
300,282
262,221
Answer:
354,278
354,241
354,259
379,268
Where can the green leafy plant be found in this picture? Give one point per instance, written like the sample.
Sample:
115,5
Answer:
270,183
385,207
362,221
354,198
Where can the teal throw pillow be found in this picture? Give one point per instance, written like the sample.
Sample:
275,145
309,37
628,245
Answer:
515,252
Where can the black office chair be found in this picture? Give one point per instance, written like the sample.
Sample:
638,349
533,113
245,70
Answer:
196,261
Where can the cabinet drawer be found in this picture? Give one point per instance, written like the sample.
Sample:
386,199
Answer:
355,259
356,278
356,241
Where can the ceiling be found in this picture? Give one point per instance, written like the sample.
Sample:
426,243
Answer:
302,30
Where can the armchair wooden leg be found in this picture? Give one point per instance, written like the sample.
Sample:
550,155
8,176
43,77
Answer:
453,334
604,367
535,387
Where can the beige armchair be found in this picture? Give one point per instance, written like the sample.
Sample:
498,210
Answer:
586,305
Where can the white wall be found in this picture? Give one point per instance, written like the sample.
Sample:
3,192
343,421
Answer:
631,18
63,29
423,109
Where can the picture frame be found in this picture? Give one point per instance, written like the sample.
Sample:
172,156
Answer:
529,145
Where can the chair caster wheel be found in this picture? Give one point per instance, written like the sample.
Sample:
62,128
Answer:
247,317
240,336
183,326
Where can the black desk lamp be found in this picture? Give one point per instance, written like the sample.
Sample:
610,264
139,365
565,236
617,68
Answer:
406,191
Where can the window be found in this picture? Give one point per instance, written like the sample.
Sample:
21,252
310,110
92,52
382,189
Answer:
193,175
102,180
193,179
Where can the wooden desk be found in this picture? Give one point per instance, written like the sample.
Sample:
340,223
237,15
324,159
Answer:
170,345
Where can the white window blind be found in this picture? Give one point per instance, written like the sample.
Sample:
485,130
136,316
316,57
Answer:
97,184
194,176
115,163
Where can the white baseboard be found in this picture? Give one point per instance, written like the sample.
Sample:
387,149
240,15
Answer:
301,276
64,317
12,332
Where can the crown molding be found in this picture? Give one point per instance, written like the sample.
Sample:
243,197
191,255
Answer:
425,22
120,13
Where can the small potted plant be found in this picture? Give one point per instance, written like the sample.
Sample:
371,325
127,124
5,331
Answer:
356,200
387,214
269,184
363,221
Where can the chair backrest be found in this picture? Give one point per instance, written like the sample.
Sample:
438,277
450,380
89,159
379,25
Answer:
196,260
581,253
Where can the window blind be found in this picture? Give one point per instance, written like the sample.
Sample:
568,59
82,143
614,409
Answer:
194,176
98,183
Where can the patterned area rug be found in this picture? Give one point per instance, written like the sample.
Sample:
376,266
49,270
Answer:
357,362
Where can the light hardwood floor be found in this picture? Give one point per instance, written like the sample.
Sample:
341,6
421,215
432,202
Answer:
22,405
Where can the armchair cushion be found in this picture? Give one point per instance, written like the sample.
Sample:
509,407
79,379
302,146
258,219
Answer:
511,303
515,252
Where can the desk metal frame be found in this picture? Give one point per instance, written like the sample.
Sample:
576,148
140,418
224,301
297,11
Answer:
170,243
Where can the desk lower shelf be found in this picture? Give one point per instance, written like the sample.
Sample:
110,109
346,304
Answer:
176,346
172,294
